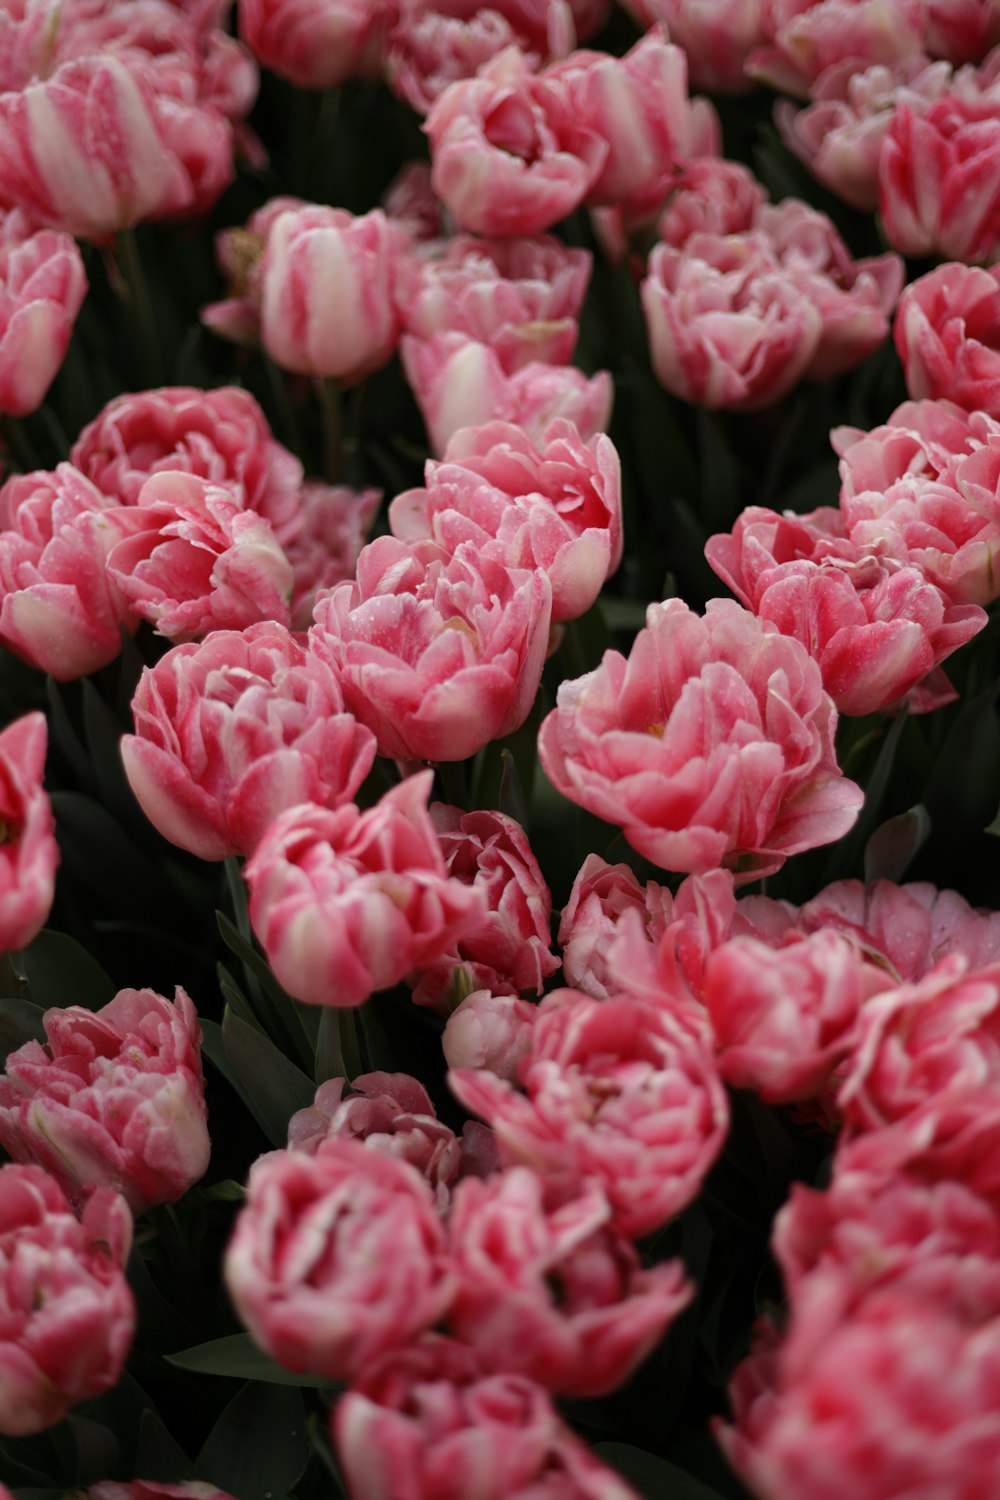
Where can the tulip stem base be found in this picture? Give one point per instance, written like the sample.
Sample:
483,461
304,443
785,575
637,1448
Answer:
333,429
140,305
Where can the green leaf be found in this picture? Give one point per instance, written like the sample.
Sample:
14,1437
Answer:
20,1022
60,973
273,1087
96,1448
653,1477
158,1456
260,1444
283,1006
893,846
237,1357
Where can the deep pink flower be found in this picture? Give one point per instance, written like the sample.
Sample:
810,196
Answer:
29,854
550,1291
486,1030
876,628
42,287
61,611
436,656
712,744
459,383
432,1423
589,926
388,1112
520,296
220,435
235,730
323,548
948,337
346,903
191,560
114,1098
727,326
938,192
510,154
317,43
617,1090
554,507
66,1312
784,1018
920,440
337,1257
327,278
510,949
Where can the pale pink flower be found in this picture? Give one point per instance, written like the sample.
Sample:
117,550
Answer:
433,1423
436,656
430,49
716,35
509,153
42,287
388,1112
327,284
410,202
29,854
785,1018
460,383
727,326
220,435
588,927
876,627
806,37
66,1313
346,903
191,560
240,253
712,744
233,731
113,1098
336,1257
520,296
323,549
712,196
550,1290
510,949
317,43
921,440
618,1091
61,611
948,336
486,1030
554,507
950,206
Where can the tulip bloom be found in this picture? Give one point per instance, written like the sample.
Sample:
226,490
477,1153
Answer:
29,854
42,287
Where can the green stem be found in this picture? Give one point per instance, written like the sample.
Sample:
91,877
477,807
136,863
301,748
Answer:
18,444
333,430
238,897
140,305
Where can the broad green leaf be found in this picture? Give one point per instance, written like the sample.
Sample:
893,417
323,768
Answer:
273,1087
20,1022
653,1477
60,973
283,1006
237,1357
158,1456
893,846
259,1446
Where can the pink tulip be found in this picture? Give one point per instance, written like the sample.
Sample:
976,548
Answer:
489,1031
430,50
921,440
805,38
436,656
459,383
716,35
552,1292
711,745
410,202
61,611
727,326
323,549
240,253
233,731
785,1018
336,1257
521,296
510,949
712,196
115,1098
510,154
638,104
839,135
555,508
875,628
42,287
951,205
29,854
963,31
432,1423
618,1091
905,929
220,435
346,903
317,43
66,1313
387,1112
948,337
191,560
328,292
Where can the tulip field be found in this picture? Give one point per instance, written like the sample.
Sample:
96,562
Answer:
499,750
